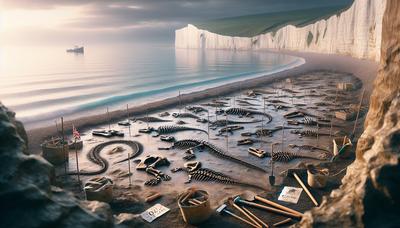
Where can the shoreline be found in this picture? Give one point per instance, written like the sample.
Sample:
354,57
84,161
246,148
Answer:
366,70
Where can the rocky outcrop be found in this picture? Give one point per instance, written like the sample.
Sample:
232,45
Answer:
27,197
369,195
355,32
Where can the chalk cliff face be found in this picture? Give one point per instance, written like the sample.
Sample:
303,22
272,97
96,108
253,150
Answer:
355,32
369,195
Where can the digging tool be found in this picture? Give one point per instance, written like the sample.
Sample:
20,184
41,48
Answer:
293,172
222,209
250,196
271,177
232,202
239,200
255,217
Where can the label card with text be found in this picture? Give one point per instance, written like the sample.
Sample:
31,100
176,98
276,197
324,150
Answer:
154,212
290,194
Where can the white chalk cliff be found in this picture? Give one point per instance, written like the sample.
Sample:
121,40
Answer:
356,32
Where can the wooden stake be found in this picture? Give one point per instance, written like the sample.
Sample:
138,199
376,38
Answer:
127,116
77,163
262,125
283,134
227,140
129,170
208,125
358,113
317,134
180,104
334,103
109,121
62,145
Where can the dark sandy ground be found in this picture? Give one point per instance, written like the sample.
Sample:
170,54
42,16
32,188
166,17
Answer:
314,92
321,70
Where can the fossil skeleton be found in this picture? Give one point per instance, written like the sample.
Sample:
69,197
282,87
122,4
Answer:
195,172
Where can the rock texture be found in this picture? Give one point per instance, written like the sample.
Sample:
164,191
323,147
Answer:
355,32
370,195
27,197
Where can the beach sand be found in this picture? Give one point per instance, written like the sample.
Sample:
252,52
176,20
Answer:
365,70
130,199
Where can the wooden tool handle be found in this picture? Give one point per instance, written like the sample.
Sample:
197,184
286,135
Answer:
270,209
153,197
305,189
283,222
278,205
240,218
255,217
246,214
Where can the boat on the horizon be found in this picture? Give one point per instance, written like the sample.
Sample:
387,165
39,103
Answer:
76,49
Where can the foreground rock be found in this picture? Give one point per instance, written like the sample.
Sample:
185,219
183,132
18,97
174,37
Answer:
369,195
27,197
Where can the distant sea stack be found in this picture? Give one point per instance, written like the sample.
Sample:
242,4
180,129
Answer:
355,31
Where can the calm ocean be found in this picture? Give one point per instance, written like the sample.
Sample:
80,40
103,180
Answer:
43,83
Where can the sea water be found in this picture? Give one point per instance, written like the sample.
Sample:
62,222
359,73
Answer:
42,84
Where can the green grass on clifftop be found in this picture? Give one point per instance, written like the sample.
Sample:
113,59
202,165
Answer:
252,25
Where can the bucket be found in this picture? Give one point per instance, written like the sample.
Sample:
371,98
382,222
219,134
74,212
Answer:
53,151
194,214
100,189
317,177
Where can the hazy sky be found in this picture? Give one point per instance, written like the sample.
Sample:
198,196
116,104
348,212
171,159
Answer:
39,22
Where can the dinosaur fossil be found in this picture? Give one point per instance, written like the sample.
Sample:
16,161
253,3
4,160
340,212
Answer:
249,141
94,156
310,122
246,103
196,109
275,101
185,115
150,165
308,147
229,129
308,133
214,105
168,129
149,119
246,112
280,156
195,172
224,122
266,131
190,144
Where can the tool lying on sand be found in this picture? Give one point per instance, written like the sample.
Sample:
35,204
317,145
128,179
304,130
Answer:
232,203
222,209
293,172
283,222
255,217
242,201
250,196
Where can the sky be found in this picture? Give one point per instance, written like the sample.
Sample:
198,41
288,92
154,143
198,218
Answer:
55,22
